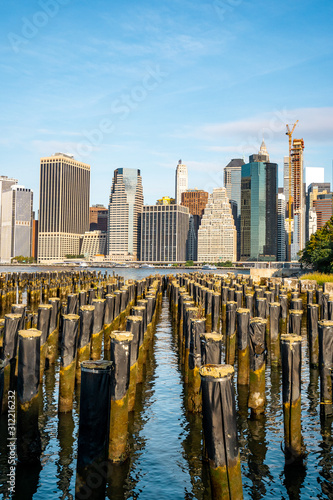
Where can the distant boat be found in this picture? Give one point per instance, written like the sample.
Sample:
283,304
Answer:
208,267
83,264
147,266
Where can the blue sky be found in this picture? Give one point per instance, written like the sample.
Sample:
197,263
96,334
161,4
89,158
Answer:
144,84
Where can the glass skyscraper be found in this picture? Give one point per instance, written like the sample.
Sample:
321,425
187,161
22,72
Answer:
259,189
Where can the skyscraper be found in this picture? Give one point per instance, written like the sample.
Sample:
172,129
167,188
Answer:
63,206
164,230
125,205
281,249
16,222
181,181
195,200
232,183
217,235
298,196
259,207
5,185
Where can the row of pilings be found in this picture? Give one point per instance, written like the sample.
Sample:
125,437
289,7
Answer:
229,326
100,329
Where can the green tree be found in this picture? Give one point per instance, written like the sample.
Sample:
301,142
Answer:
189,263
318,251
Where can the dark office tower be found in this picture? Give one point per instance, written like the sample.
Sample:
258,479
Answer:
63,206
232,183
259,207
164,230
98,218
195,200
125,205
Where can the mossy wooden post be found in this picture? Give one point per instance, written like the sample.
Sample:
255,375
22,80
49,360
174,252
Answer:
239,298
43,325
325,330
216,311
96,339
243,323
274,334
120,356
133,325
108,320
231,294
291,356
28,437
295,321
144,313
84,336
53,337
224,300
249,303
220,431
283,299
312,324
324,305
231,332
190,312
91,295
257,397
19,309
9,354
319,300
208,309
82,298
261,307
94,428
68,362
211,345
197,327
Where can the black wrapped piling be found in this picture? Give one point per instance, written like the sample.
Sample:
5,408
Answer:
98,331
284,313
53,338
120,356
197,327
291,357
249,303
220,431
94,425
216,311
325,328
28,436
43,325
68,362
231,332
133,325
257,397
295,321
243,324
9,353
84,336
312,323
261,307
73,303
19,309
211,345
274,332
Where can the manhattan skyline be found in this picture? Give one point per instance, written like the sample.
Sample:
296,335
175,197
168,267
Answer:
139,86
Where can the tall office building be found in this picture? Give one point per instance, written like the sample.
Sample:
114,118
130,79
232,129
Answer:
232,183
217,235
323,208
16,222
63,206
314,190
164,230
5,185
181,181
281,207
195,200
98,218
125,205
259,207
286,180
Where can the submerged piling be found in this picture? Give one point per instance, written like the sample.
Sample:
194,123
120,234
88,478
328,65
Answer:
220,431
68,362
291,357
84,336
243,323
325,365
133,325
257,366
28,436
197,327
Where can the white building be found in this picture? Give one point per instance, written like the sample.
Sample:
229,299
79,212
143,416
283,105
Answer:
181,182
16,222
281,253
217,235
93,243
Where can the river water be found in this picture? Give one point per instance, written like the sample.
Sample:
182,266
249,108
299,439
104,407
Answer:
166,461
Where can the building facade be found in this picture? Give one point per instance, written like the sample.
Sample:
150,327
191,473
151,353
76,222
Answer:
217,235
259,207
232,183
299,205
281,249
323,208
5,185
63,206
125,205
98,218
195,200
314,190
164,230
181,182
93,243
16,222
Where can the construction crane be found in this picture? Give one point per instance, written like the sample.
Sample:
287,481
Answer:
290,134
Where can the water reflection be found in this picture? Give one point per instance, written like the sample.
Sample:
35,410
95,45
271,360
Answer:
257,443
